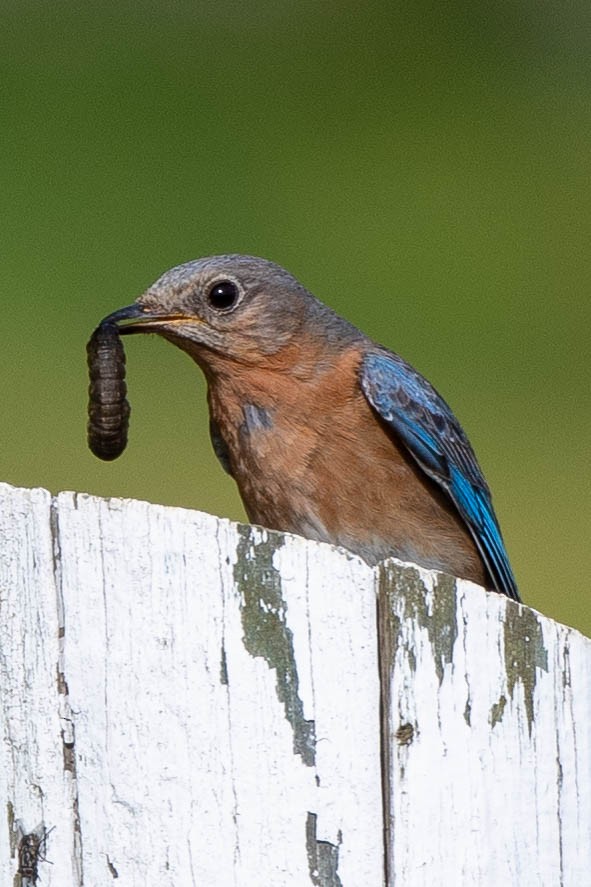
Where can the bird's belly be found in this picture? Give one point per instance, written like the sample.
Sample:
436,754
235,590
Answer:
370,499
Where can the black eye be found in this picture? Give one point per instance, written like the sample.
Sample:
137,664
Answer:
223,295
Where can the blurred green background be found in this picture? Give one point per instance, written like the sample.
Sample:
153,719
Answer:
424,168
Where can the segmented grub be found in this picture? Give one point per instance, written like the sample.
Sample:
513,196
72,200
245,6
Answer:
108,408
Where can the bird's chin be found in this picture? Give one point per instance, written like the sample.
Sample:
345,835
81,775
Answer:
195,339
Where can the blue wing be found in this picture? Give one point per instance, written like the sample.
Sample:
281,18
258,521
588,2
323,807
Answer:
434,437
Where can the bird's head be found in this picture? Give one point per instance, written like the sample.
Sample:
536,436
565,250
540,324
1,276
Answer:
235,307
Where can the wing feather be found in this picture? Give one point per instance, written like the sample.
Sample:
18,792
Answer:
420,417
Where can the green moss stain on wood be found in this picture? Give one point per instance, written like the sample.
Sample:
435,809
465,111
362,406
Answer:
266,633
434,611
524,654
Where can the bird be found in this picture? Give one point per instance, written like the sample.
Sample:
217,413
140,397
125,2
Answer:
326,433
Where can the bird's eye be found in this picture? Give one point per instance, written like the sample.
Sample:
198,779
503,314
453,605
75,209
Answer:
223,295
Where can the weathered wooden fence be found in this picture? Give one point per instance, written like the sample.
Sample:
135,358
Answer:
185,701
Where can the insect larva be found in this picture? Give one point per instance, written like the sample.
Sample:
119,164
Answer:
108,408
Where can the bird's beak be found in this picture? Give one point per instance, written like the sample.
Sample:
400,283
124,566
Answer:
139,319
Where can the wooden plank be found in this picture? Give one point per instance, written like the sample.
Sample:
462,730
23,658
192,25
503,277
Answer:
211,671
489,728
36,787
189,701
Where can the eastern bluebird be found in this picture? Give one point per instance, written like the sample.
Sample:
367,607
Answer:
326,433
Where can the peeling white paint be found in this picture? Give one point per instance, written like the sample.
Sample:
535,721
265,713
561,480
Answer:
481,802
181,779
156,729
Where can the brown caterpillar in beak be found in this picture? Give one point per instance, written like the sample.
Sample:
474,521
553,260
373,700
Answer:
108,407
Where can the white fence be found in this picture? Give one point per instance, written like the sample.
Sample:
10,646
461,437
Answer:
185,701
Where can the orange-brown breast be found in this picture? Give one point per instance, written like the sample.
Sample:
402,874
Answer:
310,456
